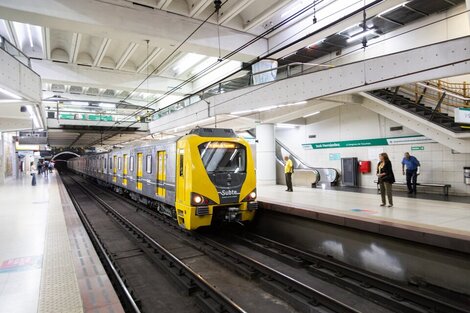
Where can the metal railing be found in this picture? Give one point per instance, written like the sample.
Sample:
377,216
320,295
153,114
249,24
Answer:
96,116
443,97
247,80
10,48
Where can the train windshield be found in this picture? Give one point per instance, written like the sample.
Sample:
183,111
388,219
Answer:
222,156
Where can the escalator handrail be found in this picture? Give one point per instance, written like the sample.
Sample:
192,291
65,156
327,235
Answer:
304,164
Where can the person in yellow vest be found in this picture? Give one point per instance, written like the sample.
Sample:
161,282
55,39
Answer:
288,170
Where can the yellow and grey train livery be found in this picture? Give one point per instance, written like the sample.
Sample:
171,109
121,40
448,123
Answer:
200,179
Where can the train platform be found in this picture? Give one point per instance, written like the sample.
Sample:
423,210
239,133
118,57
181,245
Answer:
440,223
47,262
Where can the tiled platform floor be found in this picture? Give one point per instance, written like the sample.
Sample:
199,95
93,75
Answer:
446,216
40,268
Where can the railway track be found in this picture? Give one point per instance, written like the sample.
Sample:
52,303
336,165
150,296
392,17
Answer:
208,298
381,290
299,296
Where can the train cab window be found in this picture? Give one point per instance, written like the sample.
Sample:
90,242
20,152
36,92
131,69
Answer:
181,162
220,156
119,163
131,163
148,164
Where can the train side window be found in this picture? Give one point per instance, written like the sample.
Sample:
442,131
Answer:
104,166
110,163
119,163
131,163
181,163
148,165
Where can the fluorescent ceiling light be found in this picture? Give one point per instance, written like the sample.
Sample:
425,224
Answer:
316,43
10,94
242,112
311,114
30,37
194,124
186,62
32,115
10,101
393,8
203,65
80,103
286,126
297,103
361,35
107,105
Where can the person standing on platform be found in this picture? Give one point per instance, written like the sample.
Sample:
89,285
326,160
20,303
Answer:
412,171
386,178
288,170
33,174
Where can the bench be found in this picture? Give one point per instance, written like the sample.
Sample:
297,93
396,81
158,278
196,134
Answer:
445,187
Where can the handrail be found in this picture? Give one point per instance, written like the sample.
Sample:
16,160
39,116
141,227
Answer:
289,70
7,46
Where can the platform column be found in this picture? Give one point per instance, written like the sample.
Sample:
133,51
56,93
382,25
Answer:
2,159
265,154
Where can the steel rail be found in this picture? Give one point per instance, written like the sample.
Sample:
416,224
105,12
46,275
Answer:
224,303
309,297
130,305
397,293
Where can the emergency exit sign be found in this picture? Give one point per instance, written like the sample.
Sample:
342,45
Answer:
416,148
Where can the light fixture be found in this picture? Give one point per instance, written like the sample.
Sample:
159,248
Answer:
30,37
287,126
107,105
10,94
297,103
80,103
33,116
203,65
9,101
361,35
186,62
311,114
316,43
393,8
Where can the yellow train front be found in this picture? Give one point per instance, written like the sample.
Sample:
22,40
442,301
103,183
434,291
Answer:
215,178
204,178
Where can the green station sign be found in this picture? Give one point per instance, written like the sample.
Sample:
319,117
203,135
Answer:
368,142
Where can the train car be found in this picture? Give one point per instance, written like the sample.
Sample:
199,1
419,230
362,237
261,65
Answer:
200,179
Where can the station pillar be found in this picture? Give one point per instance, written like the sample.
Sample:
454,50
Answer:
265,154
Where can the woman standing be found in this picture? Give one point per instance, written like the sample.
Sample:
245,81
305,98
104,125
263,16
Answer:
385,178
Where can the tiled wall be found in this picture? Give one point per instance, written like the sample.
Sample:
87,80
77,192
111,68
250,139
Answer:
439,163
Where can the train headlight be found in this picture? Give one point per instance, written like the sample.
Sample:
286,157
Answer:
197,199
251,196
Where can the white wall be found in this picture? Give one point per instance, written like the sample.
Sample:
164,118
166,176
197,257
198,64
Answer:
349,122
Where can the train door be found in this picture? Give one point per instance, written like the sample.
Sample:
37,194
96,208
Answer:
115,168
124,169
140,170
180,176
161,173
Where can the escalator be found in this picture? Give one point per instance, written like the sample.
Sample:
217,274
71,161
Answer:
304,174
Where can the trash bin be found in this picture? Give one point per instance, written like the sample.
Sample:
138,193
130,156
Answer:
466,175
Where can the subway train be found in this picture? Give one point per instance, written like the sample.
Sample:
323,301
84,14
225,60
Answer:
204,178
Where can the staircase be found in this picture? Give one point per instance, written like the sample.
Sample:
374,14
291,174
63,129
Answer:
421,108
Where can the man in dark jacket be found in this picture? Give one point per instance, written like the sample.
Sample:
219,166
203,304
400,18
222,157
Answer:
412,171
